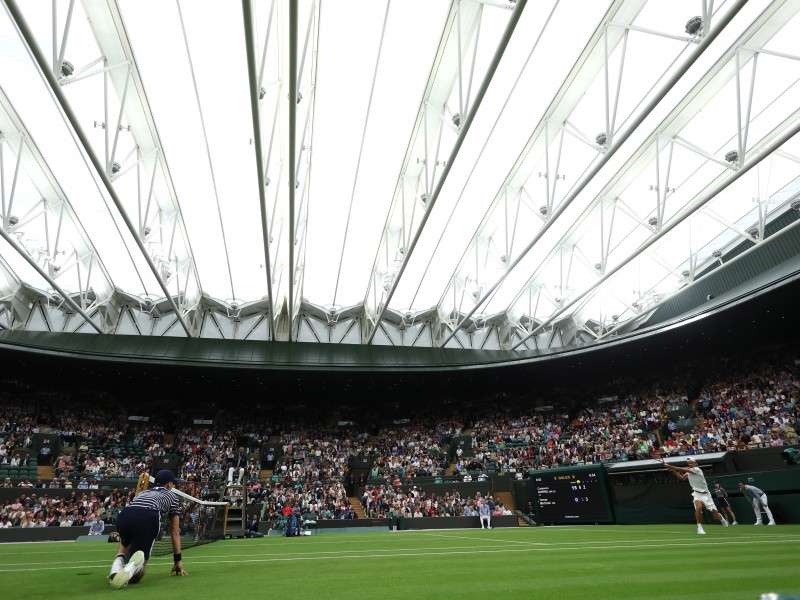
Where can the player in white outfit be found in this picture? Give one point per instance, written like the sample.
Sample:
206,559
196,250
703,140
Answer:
700,495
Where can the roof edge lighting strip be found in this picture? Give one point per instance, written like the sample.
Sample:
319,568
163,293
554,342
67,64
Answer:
27,36
249,38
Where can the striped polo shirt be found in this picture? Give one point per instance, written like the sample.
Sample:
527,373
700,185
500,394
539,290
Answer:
159,499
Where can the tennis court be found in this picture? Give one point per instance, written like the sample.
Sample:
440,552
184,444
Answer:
648,561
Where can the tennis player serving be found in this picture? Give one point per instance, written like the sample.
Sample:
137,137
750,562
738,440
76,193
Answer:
138,526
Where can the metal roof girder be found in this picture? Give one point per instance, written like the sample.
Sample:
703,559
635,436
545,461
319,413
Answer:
654,101
465,126
38,56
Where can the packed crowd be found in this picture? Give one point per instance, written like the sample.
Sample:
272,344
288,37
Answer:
741,406
413,449
38,508
387,501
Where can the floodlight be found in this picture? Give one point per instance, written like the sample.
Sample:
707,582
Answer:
66,68
694,25
732,156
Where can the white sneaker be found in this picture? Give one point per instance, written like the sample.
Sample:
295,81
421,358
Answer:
734,523
134,565
724,523
771,523
701,531
758,523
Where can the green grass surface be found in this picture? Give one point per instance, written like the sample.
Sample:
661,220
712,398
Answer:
649,561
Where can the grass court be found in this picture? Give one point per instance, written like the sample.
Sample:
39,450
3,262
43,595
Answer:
586,562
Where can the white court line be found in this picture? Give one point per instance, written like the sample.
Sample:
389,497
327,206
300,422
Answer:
295,551
282,550
281,542
444,552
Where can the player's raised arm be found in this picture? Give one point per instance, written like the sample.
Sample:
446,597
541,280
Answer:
679,472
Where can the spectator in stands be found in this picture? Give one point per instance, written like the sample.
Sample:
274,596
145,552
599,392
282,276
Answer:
45,453
252,523
485,513
96,525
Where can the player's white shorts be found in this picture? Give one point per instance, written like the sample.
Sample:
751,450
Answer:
706,499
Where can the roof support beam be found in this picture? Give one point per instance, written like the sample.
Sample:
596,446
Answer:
249,37
46,276
465,126
293,20
612,149
751,162
38,56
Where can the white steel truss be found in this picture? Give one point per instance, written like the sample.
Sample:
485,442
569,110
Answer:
495,175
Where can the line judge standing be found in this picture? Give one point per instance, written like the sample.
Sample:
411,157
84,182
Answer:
758,499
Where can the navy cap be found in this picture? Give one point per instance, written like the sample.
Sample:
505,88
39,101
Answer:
165,476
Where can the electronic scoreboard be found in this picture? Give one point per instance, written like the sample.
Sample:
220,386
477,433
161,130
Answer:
573,495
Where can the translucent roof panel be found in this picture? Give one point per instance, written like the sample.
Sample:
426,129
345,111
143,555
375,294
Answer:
473,173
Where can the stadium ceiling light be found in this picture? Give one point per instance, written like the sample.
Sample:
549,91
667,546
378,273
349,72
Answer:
694,25
67,68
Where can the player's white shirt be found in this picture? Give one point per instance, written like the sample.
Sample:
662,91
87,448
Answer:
697,480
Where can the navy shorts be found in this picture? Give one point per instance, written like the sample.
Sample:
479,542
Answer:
138,528
723,503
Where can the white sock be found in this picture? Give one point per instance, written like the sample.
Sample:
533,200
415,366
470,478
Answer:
117,565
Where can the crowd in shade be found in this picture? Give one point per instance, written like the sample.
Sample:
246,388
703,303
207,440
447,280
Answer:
738,405
382,501
39,507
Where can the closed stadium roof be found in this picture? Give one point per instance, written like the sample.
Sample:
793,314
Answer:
481,174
